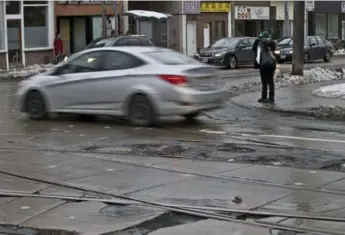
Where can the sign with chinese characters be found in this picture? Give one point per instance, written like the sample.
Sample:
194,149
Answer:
252,13
309,5
191,7
83,2
215,7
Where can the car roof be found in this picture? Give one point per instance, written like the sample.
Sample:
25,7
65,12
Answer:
130,49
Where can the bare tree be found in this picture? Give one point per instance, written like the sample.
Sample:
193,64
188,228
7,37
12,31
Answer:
104,19
298,38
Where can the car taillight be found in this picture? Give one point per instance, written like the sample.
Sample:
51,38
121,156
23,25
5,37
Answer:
174,79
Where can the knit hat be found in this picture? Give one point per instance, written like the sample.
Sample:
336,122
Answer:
263,35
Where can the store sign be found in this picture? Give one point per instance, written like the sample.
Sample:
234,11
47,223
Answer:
252,13
191,7
84,2
215,7
309,5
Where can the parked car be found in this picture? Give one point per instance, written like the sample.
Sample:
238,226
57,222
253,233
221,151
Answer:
315,48
229,52
128,40
140,83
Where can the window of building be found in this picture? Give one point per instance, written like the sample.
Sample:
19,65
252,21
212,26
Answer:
2,26
36,24
12,7
220,29
332,26
320,24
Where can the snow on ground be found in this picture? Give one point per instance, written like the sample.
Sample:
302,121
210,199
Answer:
331,91
310,76
340,52
26,71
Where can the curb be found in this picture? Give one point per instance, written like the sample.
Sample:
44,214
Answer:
272,108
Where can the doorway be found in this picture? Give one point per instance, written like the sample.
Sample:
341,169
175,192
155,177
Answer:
14,42
191,39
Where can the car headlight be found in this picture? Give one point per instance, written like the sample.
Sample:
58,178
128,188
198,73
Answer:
219,54
277,52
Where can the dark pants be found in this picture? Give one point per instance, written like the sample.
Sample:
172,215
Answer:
267,80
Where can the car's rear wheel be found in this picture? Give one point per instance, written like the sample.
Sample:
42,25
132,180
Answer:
328,57
191,116
141,112
306,57
232,62
36,106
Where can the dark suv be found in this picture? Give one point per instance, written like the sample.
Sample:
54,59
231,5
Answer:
130,40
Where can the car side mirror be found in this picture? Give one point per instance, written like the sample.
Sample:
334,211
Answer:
241,46
313,44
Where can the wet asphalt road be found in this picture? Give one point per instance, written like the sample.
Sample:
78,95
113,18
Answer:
234,134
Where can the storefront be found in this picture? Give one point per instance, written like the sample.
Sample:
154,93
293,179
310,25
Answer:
26,33
251,20
213,23
80,22
326,19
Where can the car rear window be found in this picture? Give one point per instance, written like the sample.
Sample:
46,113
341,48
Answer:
170,58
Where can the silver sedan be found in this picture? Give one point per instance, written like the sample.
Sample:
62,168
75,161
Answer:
140,83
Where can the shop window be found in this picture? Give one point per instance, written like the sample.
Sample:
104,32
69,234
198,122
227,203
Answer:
2,26
12,7
36,23
332,26
220,29
320,25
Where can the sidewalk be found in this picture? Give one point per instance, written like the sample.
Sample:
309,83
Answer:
296,100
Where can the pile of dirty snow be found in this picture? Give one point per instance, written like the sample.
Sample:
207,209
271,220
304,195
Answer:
340,52
331,91
29,70
310,76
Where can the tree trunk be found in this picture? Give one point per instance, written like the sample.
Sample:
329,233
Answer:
104,19
298,38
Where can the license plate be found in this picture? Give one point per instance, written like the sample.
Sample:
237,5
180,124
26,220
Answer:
283,56
204,60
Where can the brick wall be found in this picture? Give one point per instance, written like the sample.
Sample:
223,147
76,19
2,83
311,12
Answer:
84,9
38,57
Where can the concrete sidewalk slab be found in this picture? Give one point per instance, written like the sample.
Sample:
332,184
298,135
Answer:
296,100
92,218
212,227
285,175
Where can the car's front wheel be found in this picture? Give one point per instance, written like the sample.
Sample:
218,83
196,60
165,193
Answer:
36,106
141,112
231,62
328,56
306,57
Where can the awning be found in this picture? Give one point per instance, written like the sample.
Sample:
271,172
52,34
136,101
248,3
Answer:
147,14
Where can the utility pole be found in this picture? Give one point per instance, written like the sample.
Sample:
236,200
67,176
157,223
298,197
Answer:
287,27
298,38
104,19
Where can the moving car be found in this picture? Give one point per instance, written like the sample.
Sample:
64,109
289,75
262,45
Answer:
229,52
140,83
128,40
315,48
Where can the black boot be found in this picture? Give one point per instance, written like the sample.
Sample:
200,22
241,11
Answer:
271,97
263,97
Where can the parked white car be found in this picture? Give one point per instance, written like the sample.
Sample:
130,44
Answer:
140,83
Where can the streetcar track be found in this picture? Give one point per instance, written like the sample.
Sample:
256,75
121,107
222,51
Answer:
235,179
187,211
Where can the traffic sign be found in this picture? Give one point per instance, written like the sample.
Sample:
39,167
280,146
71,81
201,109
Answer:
309,5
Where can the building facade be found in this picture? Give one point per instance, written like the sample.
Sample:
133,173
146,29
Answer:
26,33
80,22
326,20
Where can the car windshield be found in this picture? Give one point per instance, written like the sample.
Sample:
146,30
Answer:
289,41
170,58
225,42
